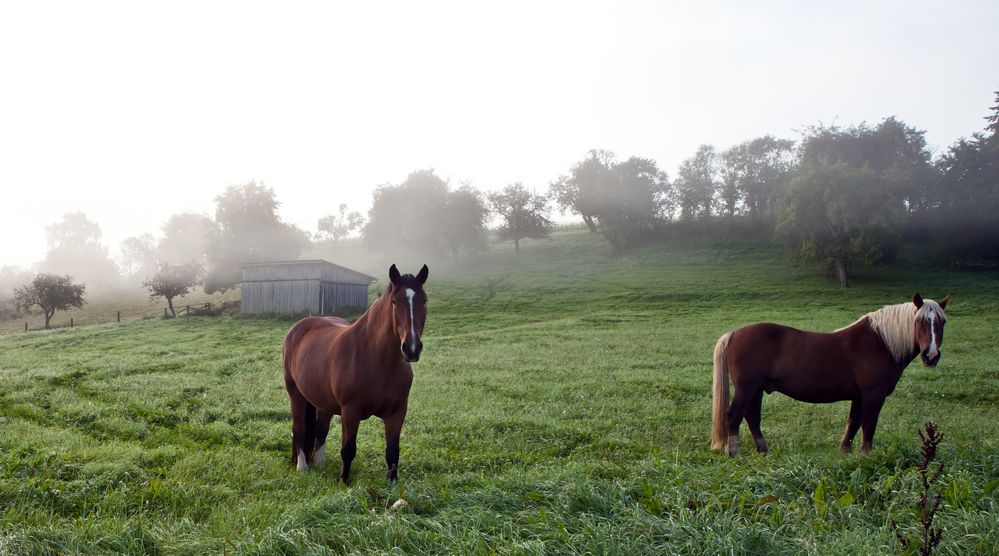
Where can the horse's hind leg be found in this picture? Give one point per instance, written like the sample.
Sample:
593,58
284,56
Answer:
303,418
736,412
753,415
852,425
322,430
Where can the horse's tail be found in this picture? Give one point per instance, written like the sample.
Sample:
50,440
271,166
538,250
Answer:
719,402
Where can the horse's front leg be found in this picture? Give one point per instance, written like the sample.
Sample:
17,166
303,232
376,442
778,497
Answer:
869,412
393,429
349,422
852,425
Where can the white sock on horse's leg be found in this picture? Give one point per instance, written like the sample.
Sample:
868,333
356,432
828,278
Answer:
733,444
302,466
320,457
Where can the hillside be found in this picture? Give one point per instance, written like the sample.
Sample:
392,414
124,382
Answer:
562,406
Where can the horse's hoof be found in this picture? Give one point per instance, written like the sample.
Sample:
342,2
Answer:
761,446
302,465
846,448
733,446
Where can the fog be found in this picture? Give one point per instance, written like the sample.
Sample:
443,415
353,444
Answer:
124,116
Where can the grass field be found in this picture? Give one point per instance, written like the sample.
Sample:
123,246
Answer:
562,406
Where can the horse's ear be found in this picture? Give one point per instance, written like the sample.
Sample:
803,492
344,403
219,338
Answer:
917,300
943,302
394,275
422,276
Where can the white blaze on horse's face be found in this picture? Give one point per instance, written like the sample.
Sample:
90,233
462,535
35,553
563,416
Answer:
932,351
410,294
930,321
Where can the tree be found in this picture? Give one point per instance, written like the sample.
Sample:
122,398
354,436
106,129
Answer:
697,182
335,227
579,190
754,173
635,197
74,245
248,231
961,210
50,293
524,214
894,151
10,278
172,281
186,238
409,216
138,255
465,215
841,215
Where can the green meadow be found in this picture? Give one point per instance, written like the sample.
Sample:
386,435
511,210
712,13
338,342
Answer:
562,406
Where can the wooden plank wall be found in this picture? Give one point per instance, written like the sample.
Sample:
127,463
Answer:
300,297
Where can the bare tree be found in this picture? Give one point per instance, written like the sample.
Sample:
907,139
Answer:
524,214
51,293
338,226
172,281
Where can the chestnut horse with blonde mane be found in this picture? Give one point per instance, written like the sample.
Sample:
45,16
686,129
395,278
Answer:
333,367
861,362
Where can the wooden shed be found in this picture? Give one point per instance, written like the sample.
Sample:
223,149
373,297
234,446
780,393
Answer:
314,287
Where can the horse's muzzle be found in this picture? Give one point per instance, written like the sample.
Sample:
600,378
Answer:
927,362
411,351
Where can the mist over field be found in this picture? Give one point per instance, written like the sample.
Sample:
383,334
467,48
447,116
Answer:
600,193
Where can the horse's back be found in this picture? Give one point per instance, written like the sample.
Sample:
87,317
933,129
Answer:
309,324
789,360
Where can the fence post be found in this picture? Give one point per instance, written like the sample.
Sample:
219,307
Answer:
119,316
25,326
71,322
164,312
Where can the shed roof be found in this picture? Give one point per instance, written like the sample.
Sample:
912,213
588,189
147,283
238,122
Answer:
319,264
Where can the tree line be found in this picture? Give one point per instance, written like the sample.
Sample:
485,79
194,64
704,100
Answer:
843,196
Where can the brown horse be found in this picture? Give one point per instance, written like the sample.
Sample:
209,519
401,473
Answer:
861,363
333,367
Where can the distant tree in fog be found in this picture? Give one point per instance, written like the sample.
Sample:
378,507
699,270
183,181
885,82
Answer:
249,231
579,191
335,227
10,278
754,174
172,281
523,214
74,246
138,255
410,216
697,182
962,205
841,215
623,200
465,216
635,198
50,293
185,238
895,151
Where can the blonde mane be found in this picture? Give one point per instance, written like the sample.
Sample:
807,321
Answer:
895,325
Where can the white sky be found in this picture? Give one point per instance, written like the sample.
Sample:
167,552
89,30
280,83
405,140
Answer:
133,111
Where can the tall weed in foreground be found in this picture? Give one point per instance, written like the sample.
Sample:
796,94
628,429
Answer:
926,508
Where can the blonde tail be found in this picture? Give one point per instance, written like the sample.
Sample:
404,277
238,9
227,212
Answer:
719,402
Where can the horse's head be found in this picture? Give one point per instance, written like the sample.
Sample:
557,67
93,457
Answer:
409,310
930,320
